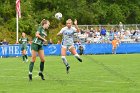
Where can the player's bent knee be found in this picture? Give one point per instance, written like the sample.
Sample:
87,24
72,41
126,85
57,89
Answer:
42,60
33,59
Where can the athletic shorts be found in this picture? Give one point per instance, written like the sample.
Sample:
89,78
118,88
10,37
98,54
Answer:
67,46
36,47
23,48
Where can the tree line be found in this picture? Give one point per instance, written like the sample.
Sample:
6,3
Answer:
87,12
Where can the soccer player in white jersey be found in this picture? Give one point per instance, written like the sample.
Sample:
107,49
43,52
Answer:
67,41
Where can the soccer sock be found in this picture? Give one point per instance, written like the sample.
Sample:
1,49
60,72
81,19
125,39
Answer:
41,67
64,60
26,56
23,57
31,67
77,56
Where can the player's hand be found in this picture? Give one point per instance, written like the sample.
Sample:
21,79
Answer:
17,42
75,22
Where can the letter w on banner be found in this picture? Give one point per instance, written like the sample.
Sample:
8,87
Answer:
18,8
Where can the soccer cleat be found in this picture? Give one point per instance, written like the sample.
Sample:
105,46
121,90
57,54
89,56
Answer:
42,76
79,59
30,77
26,60
67,69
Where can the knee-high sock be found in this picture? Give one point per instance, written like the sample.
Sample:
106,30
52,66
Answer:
64,60
31,66
23,57
77,56
41,67
26,56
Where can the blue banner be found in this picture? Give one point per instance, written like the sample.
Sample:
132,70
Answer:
55,49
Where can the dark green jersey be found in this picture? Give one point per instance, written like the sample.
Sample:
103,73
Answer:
42,33
23,41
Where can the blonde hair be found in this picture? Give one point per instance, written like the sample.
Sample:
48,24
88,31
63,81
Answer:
69,20
44,21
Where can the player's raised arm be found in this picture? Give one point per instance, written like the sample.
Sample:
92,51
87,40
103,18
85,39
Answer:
58,34
76,26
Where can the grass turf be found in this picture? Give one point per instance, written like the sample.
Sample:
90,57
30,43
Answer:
97,74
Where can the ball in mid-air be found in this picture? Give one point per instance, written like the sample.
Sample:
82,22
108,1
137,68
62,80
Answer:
58,15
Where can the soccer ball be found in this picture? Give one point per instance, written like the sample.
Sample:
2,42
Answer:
58,15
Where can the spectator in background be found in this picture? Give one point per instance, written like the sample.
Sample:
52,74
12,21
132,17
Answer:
81,49
82,31
88,42
128,32
103,31
97,33
91,30
50,41
103,34
78,42
4,42
121,27
137,31
115,33
107,37
111,35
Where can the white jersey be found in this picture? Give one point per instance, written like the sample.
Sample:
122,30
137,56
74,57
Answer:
68,34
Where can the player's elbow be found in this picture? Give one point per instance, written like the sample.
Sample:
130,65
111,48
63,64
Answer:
37,35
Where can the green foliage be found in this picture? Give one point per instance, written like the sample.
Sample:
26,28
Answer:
85,11
114,14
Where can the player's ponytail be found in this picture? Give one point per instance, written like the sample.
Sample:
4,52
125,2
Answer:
44,21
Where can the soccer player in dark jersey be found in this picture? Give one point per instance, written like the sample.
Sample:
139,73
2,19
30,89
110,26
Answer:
37,47
24,41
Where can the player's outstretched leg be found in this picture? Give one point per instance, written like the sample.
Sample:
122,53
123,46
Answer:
65,63
31,66
78,57
73,51
41,70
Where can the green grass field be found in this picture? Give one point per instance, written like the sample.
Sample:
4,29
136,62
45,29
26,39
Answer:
97,74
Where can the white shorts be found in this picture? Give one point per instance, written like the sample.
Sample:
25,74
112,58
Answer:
68,46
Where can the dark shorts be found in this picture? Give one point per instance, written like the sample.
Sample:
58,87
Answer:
36,47
23,48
